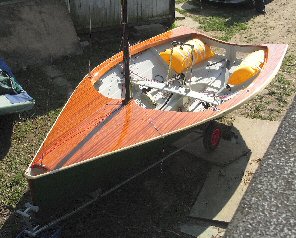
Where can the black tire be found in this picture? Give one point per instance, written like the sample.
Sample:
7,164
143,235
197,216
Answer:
212,136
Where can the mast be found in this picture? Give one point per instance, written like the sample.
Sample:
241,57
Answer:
125,51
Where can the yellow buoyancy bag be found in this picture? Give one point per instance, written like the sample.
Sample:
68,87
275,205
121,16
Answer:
248,68
184,56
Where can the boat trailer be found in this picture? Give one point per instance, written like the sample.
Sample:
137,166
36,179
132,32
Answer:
210,132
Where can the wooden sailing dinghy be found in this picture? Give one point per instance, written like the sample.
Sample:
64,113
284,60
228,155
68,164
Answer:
179,80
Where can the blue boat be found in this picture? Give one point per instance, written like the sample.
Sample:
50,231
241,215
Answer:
13,98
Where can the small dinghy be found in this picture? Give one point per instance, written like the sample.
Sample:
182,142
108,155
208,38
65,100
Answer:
13,98
179,80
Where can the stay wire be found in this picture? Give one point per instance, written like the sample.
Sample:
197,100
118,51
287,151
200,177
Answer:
90,38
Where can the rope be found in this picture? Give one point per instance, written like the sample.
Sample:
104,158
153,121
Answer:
69,6
90,40
170,66
191,66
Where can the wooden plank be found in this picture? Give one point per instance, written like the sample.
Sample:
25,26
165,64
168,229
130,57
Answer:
107,12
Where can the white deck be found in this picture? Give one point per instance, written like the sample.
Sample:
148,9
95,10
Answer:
152,88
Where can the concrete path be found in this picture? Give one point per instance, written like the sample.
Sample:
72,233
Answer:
269,207
230,175
202,231
56,77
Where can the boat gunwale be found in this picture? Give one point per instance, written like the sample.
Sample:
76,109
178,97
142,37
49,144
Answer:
181,32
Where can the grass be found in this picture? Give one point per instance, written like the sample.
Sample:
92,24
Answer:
173,26
226,25
273,102
181,1
182,11
289,64
27,136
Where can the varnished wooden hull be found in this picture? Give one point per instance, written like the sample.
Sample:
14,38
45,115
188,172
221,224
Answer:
57,190
96,141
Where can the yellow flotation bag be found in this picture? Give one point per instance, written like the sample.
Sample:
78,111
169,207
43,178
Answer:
248,68
184,56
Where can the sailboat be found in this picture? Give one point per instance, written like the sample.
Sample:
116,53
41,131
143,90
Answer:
129,106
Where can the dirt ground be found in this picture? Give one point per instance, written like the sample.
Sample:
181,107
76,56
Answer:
277,26
155,204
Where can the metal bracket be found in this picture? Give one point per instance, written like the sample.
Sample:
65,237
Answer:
27,217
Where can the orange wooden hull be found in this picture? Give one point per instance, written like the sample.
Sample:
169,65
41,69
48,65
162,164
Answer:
84,131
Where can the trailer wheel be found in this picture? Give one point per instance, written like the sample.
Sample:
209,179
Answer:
212,136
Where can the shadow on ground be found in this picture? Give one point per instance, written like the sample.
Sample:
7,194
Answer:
99,46
153,205
6,130
12,225
41,87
